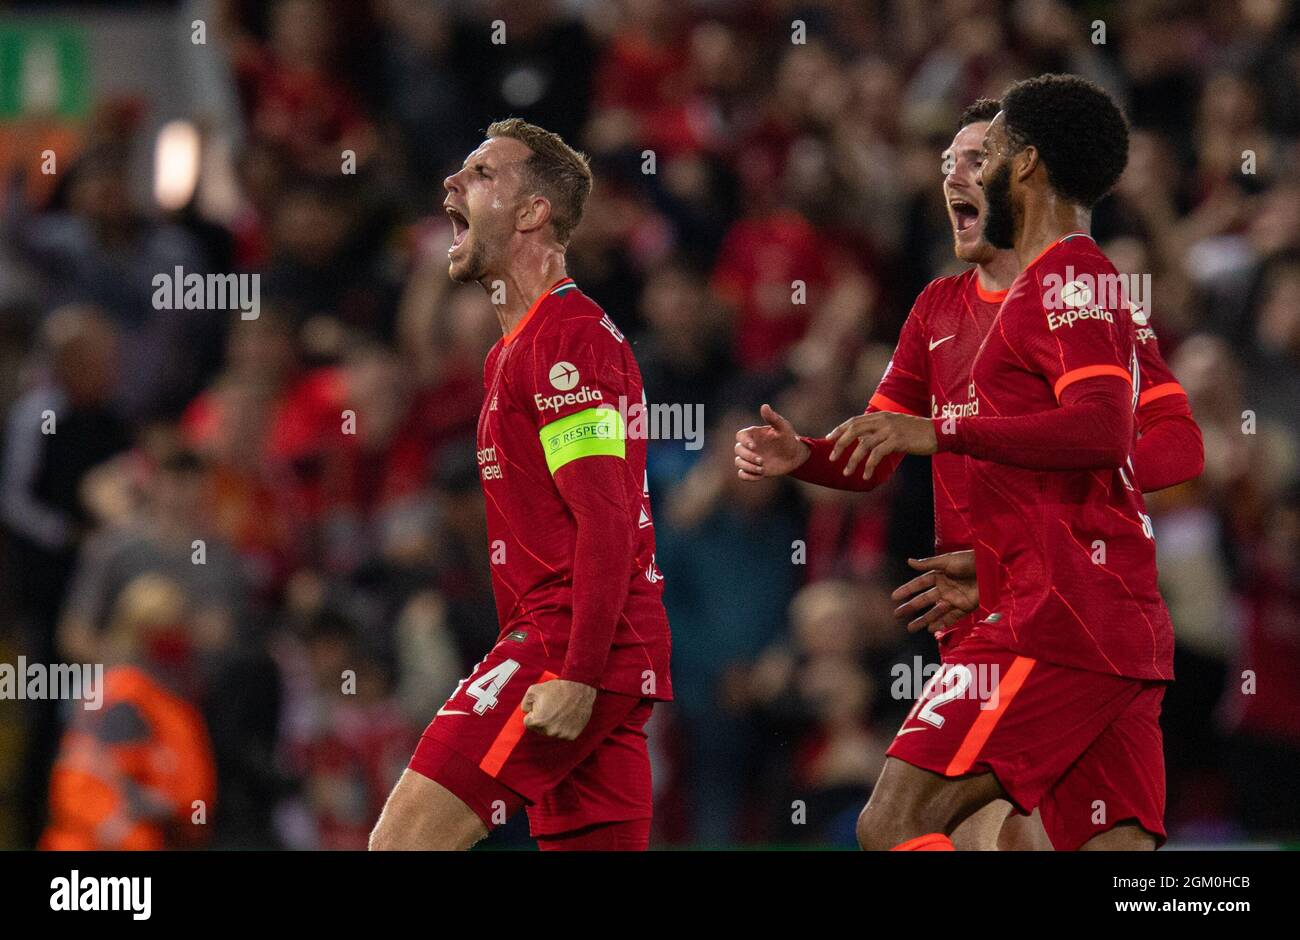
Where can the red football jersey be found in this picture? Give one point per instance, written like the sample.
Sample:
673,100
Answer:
1066,558
929,375
561,387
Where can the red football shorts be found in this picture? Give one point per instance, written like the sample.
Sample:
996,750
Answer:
478,748
1083,747
954,636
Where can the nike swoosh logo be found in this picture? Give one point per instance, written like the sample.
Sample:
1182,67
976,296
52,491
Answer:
903,731
939,342
449,711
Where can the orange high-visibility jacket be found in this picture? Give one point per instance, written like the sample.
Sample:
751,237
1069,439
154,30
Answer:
128,775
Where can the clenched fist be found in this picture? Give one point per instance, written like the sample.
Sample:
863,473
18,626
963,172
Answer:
558,708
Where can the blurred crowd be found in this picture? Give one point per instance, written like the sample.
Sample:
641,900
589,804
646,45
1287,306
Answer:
283,599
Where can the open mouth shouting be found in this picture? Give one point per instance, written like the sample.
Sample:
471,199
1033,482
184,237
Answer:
459,228
964,214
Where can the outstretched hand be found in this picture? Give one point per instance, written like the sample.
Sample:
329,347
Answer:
947,587
769,450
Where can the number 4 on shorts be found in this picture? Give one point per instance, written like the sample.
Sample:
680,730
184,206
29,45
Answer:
485,688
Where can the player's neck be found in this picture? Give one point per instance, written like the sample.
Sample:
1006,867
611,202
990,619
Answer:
998,272
530,274
1047,219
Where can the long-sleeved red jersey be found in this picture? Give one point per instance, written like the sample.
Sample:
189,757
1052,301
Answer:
930,375
571,537
1064,550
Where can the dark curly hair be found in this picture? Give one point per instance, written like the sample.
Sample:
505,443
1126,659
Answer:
982,109
1079,132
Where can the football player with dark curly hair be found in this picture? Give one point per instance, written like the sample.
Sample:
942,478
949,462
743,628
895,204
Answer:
1052,700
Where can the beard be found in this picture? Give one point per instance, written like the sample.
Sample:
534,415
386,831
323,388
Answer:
979,253
999,212
473,268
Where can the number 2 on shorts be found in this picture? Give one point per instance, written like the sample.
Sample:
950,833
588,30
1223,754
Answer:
955,680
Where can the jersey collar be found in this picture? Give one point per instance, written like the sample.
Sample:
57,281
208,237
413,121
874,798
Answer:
559,287
989,296
1059,241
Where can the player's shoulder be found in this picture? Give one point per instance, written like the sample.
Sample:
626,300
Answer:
943,297
1074,263
1071,272
576,317
942,292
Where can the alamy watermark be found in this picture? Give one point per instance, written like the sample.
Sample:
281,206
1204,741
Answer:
62,681
1092,296
180,291
132,894
933,684
641,421
659,421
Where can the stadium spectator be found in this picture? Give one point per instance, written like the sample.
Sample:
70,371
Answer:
137,774
55,435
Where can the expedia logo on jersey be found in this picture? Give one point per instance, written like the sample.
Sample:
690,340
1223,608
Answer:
1140,320
1073,298
564,376
555,402
1070,317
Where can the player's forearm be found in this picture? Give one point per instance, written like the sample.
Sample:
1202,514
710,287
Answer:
819,469
603,558
1169,448
1092,431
